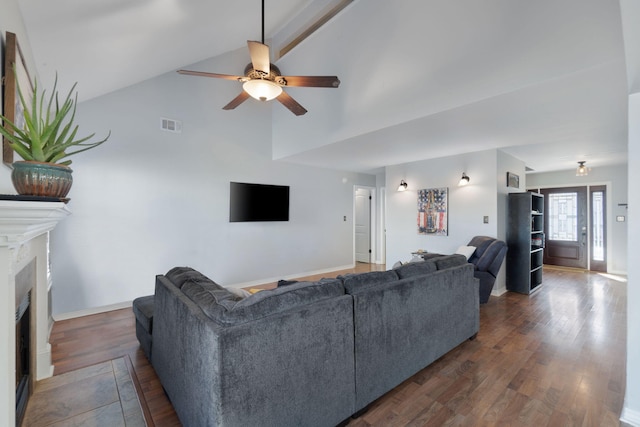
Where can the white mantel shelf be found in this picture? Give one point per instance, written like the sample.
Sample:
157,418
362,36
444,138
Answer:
21,221
24,237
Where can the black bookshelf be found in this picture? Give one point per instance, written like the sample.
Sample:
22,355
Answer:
525,238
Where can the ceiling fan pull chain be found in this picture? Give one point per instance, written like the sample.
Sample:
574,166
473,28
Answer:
262,21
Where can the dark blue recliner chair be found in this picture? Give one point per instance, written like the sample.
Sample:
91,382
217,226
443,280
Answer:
487,258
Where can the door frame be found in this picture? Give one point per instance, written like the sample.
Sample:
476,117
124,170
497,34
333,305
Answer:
372,223
608,211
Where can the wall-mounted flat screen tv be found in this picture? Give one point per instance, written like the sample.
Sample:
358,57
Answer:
258,202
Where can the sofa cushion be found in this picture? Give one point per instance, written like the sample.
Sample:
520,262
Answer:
364,280
448,261
205,291
413,269
226,309
180,275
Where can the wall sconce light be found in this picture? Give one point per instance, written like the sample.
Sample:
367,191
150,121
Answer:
582,169
464,180
403,185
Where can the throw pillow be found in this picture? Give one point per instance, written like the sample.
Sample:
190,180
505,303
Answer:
242,293
283,282
467,251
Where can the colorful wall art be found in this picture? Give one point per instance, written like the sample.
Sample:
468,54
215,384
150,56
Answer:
432,211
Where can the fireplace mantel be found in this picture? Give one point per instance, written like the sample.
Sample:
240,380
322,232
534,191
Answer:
24,236
22,221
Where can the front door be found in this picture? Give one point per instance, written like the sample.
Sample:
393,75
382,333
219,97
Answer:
566,232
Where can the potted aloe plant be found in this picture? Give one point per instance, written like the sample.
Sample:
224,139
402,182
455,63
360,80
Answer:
47,138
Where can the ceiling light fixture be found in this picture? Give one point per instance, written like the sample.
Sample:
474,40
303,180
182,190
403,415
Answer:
403,185
582,169
464,180
262,90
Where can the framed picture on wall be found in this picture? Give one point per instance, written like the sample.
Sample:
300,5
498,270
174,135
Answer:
513,180
433,211
15,72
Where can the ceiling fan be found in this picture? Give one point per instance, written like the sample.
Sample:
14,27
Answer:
263,81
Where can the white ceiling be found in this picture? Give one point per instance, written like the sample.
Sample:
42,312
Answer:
542,80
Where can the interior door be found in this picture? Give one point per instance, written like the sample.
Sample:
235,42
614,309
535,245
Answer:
363,225
566,233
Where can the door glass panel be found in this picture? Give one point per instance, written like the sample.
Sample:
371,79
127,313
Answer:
597,225
563,216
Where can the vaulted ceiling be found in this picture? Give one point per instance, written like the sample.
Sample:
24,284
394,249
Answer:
542,80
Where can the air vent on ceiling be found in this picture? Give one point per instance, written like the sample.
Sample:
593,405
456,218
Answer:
170,125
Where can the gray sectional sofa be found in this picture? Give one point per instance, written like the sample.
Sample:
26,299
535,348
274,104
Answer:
403,325
306,354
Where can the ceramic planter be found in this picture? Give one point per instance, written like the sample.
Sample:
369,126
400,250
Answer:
41,179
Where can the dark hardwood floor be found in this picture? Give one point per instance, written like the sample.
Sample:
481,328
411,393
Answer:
554,358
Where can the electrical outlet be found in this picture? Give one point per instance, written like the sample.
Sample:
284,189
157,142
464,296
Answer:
485,219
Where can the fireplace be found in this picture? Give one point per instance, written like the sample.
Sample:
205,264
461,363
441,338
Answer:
23,357
25,283
25,289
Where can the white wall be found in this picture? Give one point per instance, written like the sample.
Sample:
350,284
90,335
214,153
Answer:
486,194
505,163
11,20
631,410
149,200
467,205
615,178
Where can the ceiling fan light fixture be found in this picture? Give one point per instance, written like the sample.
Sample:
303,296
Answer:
262,90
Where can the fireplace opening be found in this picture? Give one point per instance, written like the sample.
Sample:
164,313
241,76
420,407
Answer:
23,356
24,286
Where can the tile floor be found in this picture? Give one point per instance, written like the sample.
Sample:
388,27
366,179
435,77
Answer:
99,395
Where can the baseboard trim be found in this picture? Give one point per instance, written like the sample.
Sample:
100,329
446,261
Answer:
91,311
630,417
618,272
291,276
498,292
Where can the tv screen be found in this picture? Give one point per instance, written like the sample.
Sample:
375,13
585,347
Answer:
258,202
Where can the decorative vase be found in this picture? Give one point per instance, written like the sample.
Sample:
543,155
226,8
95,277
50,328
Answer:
41,179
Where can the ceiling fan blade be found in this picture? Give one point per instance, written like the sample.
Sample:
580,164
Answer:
311,81
291,104
259,53
236,101
205,74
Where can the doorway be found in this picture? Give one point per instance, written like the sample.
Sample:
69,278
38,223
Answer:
575,227
364,220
